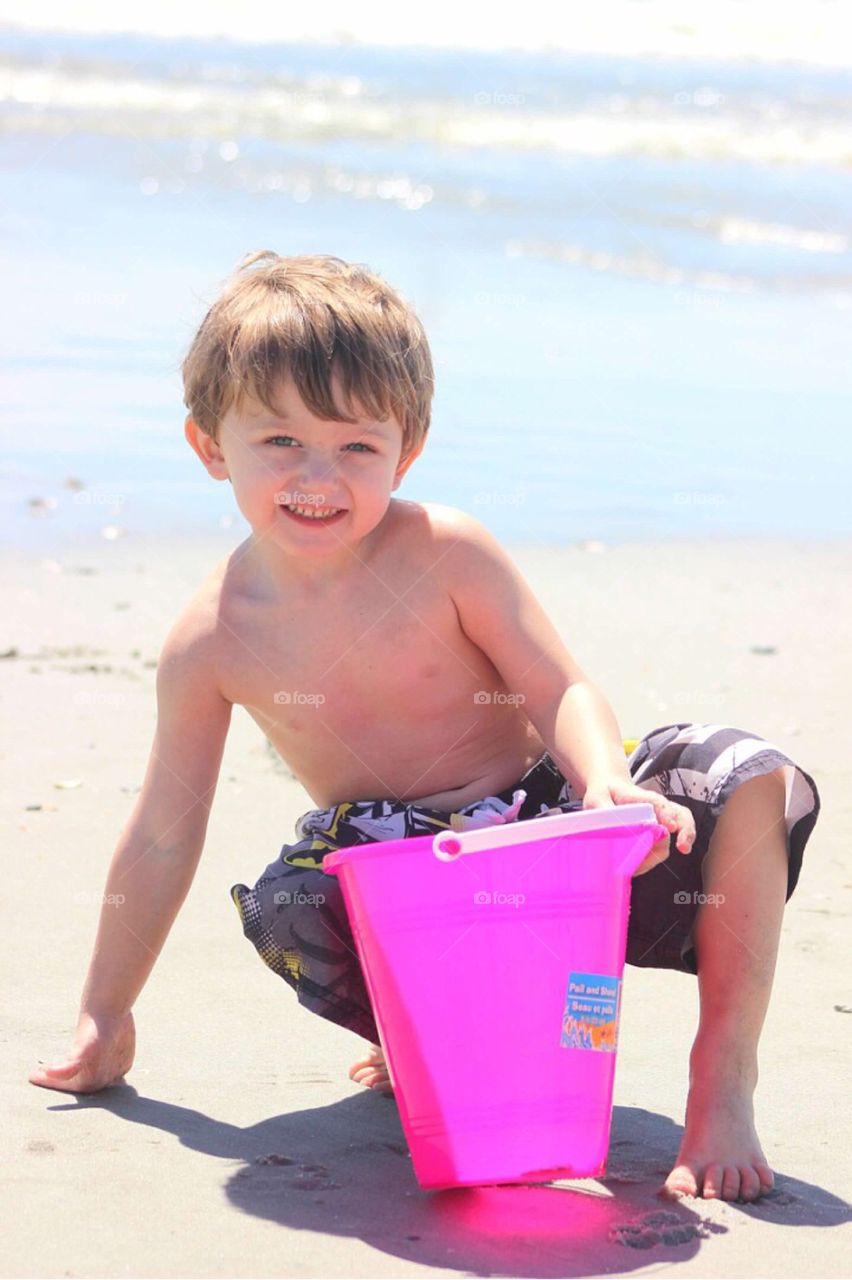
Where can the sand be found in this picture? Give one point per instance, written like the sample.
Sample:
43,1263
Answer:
168,1174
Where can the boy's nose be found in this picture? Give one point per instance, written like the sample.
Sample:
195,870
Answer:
318,483
314,475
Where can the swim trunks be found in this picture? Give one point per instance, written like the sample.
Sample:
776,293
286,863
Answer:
296,918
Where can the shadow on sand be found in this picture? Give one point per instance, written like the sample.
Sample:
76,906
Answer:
344,1170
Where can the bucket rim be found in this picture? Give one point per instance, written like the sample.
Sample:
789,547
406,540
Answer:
449,845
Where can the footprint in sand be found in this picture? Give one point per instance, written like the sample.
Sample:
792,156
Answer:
309,1177
314,1177
659,1227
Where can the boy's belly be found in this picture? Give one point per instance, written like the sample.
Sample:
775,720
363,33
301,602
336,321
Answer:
413,763
493,783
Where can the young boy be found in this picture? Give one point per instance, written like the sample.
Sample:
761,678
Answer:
397,661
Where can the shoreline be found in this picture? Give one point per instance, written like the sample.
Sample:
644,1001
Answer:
55,541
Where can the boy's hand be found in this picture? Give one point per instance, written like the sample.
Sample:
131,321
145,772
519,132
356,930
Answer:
675,817
103,1051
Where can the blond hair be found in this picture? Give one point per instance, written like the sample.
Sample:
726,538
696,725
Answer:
307,318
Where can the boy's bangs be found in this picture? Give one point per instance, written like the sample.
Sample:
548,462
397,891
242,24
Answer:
282,348
349,345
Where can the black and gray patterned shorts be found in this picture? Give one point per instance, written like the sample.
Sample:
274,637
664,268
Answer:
296,918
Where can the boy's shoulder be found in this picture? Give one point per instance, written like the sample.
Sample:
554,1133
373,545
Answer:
449,540
457,547
193,636
439,521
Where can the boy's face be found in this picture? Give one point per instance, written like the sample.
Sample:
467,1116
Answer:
276,461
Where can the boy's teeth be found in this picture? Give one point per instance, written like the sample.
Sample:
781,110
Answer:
314,515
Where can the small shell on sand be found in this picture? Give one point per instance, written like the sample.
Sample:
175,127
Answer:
41,506
68,784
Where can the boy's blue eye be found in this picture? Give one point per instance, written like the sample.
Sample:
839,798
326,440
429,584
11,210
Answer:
359,444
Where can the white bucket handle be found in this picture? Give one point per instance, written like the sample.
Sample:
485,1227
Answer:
450,845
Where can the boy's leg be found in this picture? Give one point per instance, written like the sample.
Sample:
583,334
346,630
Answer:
736,941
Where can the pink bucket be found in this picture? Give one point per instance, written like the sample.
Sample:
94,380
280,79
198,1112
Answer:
495,981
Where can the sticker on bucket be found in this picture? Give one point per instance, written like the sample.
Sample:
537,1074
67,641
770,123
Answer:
590,1020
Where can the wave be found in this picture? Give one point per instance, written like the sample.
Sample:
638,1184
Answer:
702,125
744,231
645,265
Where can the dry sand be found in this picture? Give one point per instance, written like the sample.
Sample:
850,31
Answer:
164,1175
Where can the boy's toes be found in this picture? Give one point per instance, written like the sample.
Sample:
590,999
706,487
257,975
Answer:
749,1183
722,1182
372,1079
371,1071
681,1182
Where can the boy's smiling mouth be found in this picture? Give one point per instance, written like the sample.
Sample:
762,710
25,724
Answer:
310,515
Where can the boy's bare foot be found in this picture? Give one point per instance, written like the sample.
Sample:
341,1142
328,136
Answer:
720,1156
372,1071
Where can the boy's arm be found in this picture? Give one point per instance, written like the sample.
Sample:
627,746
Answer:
154,861
499,612
157,853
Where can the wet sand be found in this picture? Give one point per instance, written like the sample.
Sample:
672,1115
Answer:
238,1146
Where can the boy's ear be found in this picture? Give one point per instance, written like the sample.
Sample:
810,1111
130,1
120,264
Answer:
404,465
207,449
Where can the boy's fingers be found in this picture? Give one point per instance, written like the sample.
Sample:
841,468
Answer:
65,1071
50,1082
76,1083
678,819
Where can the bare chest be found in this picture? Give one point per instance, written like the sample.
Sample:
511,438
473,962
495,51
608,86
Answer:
346,685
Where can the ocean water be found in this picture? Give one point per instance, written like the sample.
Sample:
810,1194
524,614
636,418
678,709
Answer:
635,267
